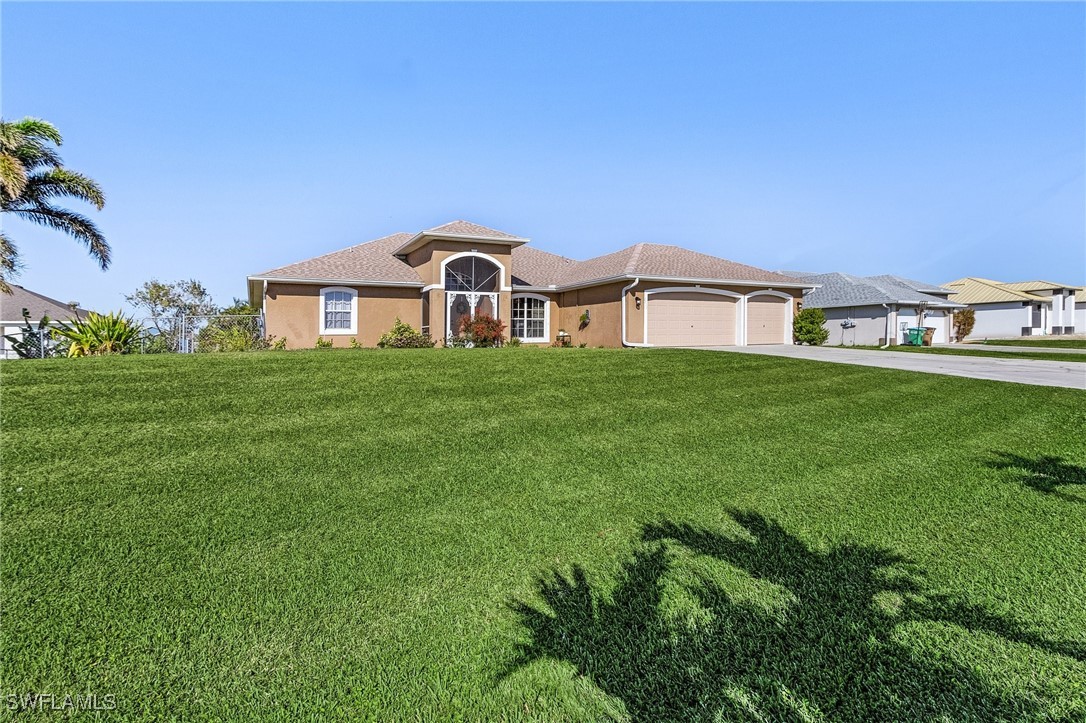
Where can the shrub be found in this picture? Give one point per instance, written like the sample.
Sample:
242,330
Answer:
279,344
514,341
963,322
404,336
807,328
323,343
99,334
225,333
483,330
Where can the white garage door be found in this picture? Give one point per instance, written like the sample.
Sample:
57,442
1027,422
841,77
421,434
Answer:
691,319
765,319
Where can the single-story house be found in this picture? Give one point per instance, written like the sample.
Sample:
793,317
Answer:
1080,310
876,310
644,295
38,306
1023,308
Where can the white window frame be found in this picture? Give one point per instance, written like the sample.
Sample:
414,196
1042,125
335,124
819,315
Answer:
353,329
546,318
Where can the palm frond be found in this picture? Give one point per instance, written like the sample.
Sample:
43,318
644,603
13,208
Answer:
74,224
12,177
9,262
36,129
61,182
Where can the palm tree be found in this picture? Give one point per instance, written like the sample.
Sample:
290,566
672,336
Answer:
32,176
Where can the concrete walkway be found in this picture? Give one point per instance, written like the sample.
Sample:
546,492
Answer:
1022,371
1000,347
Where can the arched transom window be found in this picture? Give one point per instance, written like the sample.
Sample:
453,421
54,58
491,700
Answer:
471,273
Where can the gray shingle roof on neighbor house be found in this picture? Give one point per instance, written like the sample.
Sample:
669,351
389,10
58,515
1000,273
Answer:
376,262
12,305
840,290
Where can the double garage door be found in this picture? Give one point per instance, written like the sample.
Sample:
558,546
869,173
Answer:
690,318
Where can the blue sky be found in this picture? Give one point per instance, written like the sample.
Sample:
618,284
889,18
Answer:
929,140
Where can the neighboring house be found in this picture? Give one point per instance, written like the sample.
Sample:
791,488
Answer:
1025,308
876,310
11,314
1080,310
643,295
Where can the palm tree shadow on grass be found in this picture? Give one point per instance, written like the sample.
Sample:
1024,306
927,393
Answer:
832,652
1045,474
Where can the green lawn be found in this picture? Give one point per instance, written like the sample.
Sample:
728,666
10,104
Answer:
981,351
1054,342
558,535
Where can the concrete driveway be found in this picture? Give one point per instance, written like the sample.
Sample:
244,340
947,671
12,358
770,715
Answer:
1022,371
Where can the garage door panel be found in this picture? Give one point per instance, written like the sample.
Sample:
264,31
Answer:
766,319
691,319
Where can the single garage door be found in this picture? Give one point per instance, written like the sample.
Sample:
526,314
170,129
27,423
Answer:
688,318
765,319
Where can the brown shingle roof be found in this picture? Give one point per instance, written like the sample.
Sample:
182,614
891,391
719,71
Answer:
467,228
12,305
659,260
372,261
532,267
375,262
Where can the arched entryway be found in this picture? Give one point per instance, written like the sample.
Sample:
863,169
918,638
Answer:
472,283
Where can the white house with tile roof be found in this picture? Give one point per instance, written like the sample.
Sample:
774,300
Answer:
1023,308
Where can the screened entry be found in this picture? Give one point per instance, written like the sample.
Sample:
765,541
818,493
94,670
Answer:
471,288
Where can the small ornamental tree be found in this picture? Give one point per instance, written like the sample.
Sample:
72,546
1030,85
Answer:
483,330
808,327
963,323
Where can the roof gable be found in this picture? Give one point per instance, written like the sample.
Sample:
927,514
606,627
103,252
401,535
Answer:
973,290
467,228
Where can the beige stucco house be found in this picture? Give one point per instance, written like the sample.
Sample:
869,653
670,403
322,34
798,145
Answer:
643,295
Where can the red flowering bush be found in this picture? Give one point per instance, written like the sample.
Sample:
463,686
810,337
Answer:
483,330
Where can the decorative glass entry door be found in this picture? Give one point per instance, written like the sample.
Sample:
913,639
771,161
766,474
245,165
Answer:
471,288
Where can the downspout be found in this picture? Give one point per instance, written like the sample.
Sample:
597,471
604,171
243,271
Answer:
625,342
887,307
264,310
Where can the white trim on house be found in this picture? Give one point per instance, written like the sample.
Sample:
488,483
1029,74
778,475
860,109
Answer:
546,317
687,280
789,312
502,286
353,329
351,282
740,312
419,240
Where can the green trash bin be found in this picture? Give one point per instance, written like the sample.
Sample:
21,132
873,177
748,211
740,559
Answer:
914,337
